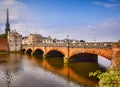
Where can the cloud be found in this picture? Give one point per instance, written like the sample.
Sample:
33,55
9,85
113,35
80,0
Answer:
25,22
21,18
108,30
106,5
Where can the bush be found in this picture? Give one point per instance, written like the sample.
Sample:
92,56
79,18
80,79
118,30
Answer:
3,35
110,78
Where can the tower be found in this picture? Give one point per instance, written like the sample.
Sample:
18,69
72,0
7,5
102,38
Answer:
7,29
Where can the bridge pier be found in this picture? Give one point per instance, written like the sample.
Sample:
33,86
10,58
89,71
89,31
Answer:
32,53
116,55
66,60
44,55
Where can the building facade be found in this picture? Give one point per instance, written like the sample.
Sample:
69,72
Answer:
15,41
34,39
47,40
25,40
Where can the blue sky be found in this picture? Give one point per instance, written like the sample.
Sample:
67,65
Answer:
80,19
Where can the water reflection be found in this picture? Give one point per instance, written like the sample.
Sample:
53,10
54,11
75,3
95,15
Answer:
9,68
77,72
18,70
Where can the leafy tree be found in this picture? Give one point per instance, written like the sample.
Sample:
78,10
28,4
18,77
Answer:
110,78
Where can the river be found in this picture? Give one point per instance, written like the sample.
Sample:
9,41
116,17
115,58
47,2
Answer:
17,70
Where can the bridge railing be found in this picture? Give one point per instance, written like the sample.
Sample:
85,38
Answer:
93,45
77,45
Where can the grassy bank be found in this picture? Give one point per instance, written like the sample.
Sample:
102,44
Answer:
6,52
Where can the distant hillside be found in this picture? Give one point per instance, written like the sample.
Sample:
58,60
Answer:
3,44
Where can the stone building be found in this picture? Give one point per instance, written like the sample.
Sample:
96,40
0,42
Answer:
34,39
25,40
14,39
47,40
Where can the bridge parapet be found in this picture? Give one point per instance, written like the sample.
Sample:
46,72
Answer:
76,45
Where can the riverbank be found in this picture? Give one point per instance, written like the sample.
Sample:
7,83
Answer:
6,52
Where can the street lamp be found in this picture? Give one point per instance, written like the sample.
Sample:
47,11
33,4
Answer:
68,44
15,43
94,39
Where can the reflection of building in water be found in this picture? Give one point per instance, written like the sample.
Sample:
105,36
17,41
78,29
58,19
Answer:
14,63
13,66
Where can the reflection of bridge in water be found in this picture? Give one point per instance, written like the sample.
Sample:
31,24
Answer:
66,71
108,50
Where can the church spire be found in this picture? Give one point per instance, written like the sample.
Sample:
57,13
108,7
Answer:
7,23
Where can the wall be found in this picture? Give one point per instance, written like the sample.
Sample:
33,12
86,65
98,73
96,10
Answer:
3,44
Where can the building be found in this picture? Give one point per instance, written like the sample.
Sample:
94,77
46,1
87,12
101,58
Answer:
3,44
34,39
47,40
7,26
25,40
14,39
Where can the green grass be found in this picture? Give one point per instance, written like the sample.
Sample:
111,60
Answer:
3,35
7,52
4,52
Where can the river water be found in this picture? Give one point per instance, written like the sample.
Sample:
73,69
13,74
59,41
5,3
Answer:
18,70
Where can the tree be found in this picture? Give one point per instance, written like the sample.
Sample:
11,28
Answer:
110,78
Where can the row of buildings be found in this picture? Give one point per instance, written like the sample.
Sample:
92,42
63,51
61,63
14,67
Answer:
33,39
15,40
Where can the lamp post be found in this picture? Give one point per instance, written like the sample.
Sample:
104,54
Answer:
68,44
15,43
66,60
44,54
94,39
33,42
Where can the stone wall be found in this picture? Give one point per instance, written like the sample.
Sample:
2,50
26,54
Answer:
3,44
116,54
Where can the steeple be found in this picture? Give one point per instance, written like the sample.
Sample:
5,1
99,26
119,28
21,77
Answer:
7,29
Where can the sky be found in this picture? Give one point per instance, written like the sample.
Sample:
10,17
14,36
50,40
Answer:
87,20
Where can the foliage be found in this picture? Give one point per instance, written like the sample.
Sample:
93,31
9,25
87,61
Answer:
110,78
3,35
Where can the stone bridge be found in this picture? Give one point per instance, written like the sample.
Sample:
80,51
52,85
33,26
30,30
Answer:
108,50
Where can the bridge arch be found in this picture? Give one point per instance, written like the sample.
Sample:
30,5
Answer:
29,51
84,57
38,52
98,54
23,50
55,53
106,53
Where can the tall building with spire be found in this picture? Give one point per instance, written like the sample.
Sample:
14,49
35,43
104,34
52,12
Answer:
7,29
14,39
